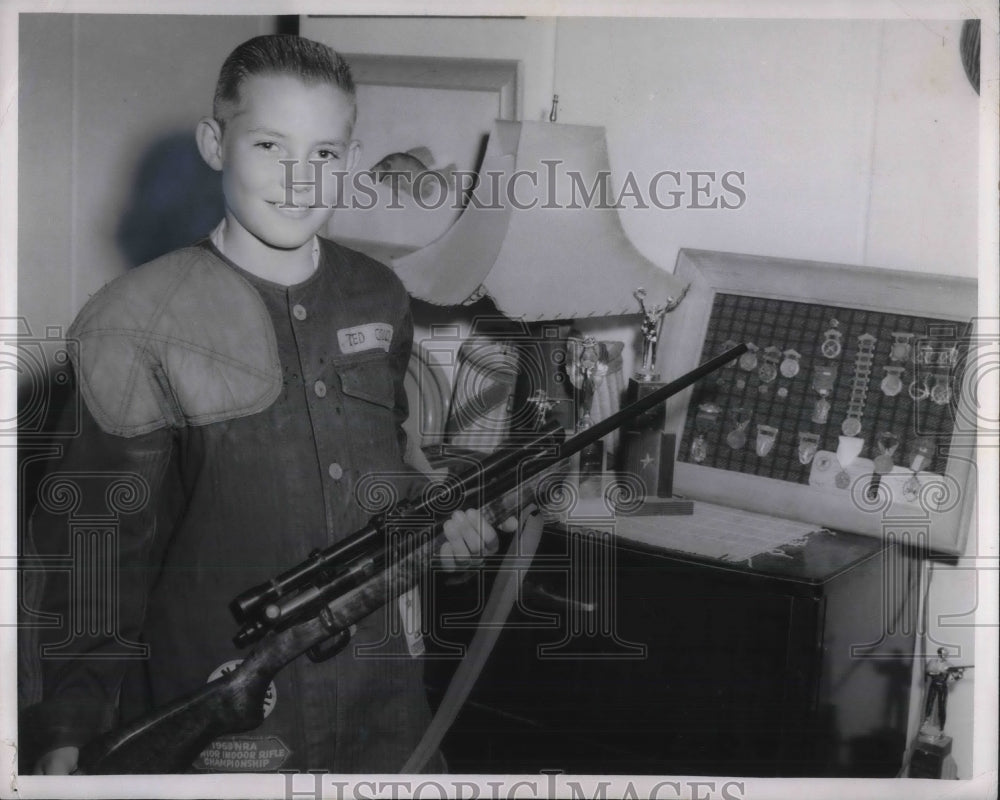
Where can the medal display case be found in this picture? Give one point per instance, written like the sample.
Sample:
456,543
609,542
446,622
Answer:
854,409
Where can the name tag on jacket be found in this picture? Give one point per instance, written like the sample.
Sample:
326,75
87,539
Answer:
373,336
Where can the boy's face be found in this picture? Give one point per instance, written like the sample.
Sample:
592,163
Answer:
281,118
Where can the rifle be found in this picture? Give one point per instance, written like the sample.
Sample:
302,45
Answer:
310,608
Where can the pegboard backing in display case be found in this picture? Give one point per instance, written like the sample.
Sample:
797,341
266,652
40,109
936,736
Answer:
854,371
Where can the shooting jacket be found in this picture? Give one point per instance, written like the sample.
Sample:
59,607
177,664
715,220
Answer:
229,426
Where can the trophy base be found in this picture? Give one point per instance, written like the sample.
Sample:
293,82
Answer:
932,759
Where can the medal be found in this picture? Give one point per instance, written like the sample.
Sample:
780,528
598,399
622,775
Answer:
704,421
918,392
887,444
790,366
924,450
737,437
944,354
765,439
901,346
831,345
748,361
851,425
848,450
722,376
892,383
822,383
769,369
941,391
808,445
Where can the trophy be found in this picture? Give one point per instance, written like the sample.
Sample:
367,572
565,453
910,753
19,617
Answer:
648,453
587,367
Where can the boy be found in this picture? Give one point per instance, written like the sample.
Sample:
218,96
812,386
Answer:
236,393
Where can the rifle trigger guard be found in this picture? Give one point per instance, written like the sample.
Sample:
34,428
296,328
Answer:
328,648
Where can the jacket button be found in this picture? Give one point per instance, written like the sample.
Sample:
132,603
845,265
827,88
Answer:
336,471
320,388
299,311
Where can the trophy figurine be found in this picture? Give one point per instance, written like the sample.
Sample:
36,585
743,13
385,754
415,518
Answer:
931,753
652,324
940,674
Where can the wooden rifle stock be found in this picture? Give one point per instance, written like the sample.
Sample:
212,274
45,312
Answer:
169,739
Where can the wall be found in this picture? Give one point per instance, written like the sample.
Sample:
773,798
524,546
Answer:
858,138
108,173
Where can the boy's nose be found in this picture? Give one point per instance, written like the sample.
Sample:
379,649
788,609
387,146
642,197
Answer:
300,176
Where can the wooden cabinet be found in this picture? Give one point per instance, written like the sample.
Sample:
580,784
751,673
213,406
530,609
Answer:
665,663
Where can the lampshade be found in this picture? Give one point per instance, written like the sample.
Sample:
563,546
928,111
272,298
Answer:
530,237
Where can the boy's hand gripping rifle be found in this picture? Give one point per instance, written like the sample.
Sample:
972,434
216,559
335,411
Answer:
311,607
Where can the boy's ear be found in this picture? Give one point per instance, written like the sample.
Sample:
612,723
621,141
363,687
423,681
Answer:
208,134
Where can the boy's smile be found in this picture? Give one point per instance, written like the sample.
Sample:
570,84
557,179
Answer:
277,153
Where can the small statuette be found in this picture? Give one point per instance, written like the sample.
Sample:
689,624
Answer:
941,391
748,361
901,346
765,439
699,449
808,445
790,366
540,400
737,437
892,383
769,369
832,345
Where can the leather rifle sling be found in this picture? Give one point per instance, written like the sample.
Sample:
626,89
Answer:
516,561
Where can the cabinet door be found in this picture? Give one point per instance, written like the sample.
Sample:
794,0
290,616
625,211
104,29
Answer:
654,667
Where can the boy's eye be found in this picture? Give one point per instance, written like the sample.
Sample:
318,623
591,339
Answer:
327,155
267,146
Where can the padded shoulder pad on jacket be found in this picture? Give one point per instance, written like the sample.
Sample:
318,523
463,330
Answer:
183,339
